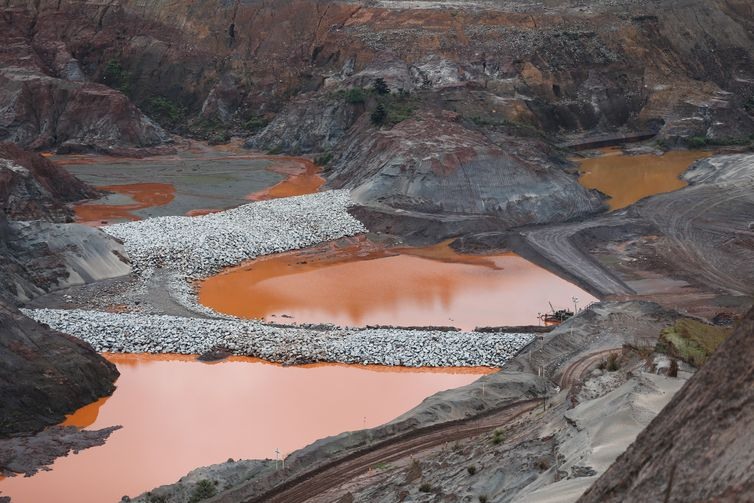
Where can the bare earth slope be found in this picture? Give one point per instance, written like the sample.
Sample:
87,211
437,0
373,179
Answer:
700,447
45,374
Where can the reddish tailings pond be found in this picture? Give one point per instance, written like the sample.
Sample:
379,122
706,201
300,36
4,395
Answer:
178,414
359,283
626,178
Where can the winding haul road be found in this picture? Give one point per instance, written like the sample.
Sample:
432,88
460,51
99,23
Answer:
336,473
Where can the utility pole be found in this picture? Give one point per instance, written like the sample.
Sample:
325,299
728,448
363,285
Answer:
277,457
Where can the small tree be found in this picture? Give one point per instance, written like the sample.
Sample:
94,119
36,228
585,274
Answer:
379,115
380,86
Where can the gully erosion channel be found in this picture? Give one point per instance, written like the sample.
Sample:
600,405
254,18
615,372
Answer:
177,413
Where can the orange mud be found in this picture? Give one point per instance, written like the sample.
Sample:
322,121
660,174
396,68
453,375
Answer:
144,195
627,179
178,414
364,284
302,178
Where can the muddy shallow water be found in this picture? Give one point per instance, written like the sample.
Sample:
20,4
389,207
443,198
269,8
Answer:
362,284
189,183
627,179
178,414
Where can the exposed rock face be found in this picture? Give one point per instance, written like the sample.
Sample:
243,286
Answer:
45,374
34,188
42,255
46,101
700,447
436,166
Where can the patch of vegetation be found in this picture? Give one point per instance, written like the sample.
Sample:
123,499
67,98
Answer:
204,489
380,86
698,142
117,77
498,437
379,115
255,123
277,149
355,95
691,341
164,110
324,159
471,469
425,488
155,498
394,108
382,466
483,498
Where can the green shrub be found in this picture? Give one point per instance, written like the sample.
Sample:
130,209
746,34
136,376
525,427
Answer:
162,109
117,77
203,490
696,142
471,469
691,340
379,115
380,86
255,123
425,488
324,159
355,95
497,437
483,499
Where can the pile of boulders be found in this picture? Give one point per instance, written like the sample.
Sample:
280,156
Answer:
142,333
200,246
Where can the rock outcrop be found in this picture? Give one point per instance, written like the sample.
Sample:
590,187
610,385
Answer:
45,374
46,101
39,252
34,188
700,447
431,168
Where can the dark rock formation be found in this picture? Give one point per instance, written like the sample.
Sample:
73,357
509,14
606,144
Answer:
700,447
45,374
42,255
34,188
433,168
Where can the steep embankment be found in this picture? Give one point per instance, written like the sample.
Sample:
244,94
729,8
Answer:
38,251
45,374
700,447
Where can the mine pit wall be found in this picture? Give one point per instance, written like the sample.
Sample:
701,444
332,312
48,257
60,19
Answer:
612,66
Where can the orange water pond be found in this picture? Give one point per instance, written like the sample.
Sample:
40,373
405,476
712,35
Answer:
627,179
363,284
178,414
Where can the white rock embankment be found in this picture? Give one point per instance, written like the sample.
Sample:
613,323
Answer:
200,246
140,333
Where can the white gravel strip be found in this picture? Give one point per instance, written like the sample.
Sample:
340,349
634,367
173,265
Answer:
200,246
140,333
